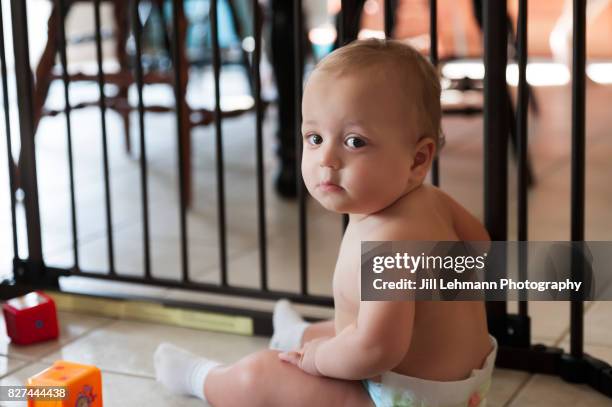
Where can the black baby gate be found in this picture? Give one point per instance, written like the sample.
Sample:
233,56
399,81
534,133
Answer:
511,330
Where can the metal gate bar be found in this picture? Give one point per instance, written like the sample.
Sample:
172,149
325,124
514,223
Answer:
219,144
578,158
180,87
107,194
27,166
61,11
9,144
298,26
261,196
495,142
521,131
144,185
433,57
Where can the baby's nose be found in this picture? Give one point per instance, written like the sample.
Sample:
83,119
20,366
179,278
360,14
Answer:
329,158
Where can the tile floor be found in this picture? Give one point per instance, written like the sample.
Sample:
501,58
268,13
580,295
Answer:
123,348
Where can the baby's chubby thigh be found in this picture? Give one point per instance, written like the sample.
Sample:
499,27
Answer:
262,379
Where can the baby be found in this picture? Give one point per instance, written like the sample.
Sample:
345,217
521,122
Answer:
371,125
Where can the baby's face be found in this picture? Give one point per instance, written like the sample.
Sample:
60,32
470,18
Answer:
359,142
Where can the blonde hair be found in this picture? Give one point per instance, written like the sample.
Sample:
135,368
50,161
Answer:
418,76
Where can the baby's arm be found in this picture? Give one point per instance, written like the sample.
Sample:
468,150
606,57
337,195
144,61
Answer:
371,345
380,337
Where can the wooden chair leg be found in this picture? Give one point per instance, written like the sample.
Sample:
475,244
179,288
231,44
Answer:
41,81
45,67
125,118
121,21
185,135
234,14
185,130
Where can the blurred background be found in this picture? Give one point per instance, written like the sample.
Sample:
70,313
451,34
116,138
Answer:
460,55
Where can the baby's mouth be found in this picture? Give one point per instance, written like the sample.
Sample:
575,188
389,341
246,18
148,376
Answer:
329,186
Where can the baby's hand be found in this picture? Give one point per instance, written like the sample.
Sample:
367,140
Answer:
305,357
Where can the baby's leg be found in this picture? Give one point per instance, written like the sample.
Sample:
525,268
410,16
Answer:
261,379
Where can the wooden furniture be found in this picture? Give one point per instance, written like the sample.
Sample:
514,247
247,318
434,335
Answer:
46,72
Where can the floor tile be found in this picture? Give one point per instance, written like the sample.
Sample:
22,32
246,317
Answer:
123,390
127,346
549,320
10,364
284,267
110,288
597,327
504,385
544,390
72,326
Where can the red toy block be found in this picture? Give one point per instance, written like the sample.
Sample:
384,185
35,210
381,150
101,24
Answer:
30,318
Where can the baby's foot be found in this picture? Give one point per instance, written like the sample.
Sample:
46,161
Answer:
288,327
180,371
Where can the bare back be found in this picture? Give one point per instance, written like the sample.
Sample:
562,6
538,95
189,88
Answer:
449,338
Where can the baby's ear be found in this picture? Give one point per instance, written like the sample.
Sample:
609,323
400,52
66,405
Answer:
423,156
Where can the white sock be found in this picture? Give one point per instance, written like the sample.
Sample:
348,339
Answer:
180,371
288,327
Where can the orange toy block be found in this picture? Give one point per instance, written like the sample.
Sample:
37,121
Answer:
83,384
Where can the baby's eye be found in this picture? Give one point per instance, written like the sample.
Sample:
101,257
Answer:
314,139
355,142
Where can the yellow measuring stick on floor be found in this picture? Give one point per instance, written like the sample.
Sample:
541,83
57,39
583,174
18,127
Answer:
153,312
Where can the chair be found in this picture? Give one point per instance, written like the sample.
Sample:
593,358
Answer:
124,78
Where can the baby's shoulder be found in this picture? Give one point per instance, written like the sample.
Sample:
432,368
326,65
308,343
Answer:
421,215
425,203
